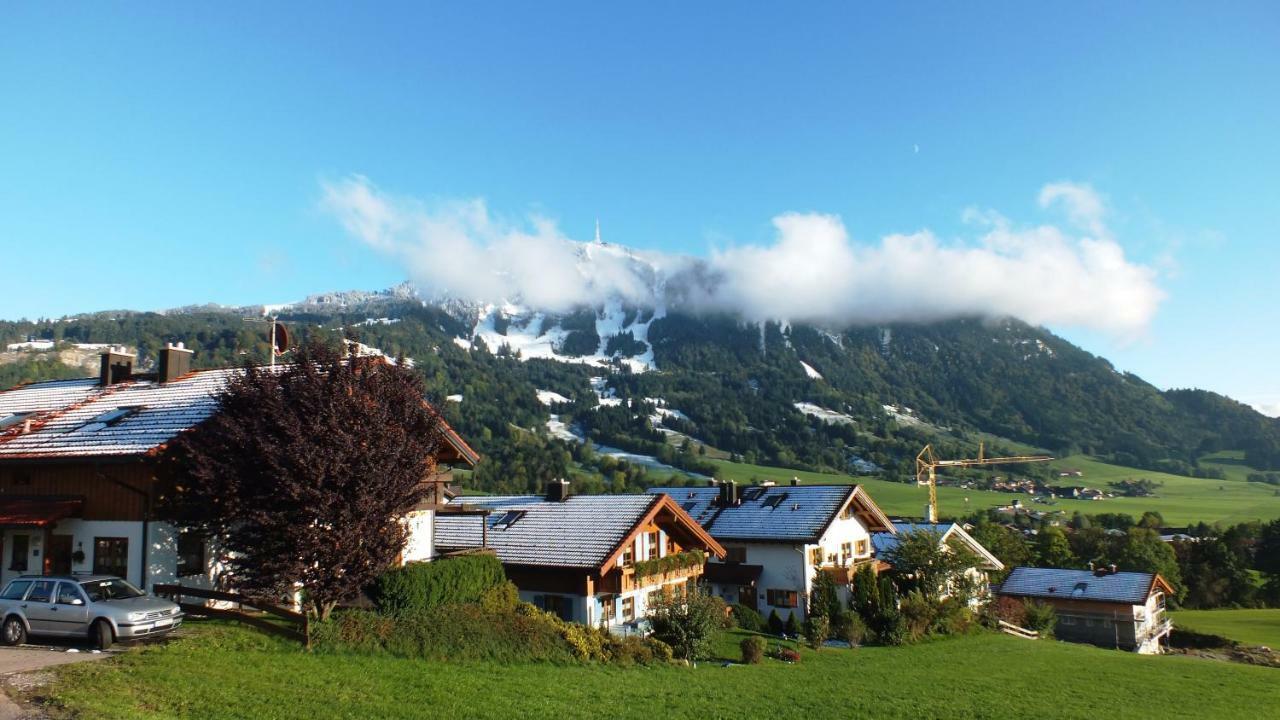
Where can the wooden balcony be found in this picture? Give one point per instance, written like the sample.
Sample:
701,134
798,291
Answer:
622,580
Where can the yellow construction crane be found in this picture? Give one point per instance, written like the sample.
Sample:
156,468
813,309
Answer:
927,463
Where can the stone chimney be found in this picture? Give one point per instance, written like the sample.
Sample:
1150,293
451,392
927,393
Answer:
175,361
116,367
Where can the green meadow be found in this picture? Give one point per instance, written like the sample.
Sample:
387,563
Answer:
1180,500
1251,627
220,671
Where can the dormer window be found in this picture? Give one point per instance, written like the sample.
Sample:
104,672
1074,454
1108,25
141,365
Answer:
509,518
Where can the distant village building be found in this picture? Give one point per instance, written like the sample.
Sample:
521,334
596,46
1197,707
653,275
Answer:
776,539
601,560
1124,610
77,482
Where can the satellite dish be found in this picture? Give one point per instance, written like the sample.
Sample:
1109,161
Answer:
280,336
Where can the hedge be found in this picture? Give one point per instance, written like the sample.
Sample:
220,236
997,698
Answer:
419,587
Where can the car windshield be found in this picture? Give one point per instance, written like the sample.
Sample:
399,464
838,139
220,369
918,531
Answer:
110,589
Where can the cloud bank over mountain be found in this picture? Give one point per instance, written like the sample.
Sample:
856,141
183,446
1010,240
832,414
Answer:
1073,274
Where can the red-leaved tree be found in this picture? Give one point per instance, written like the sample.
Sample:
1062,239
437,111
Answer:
304,472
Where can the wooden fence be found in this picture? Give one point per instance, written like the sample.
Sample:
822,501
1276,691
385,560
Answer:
294,626
1011,629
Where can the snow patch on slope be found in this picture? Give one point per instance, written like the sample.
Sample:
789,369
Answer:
823,414
808,370
549,398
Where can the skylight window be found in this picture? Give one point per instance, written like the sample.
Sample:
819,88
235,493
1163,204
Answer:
752,493
109,418
15,419
509,518
688,505
774,501
1079,589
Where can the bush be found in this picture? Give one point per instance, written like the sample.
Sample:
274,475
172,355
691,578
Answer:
687,623
1041,617
747,618
522,633
792,628
418,587
816,631
917,614
953,617
752,650
854,631
668,563
1010,610
775,623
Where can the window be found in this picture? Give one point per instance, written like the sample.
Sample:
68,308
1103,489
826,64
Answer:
628,608
41,592
651,544
847,512
783,598
628,555
14,419
653,599
508,519
815,556
20,551
190,553
774,501
109,418
846,552
863,548
111,556
69,594
99,590
736,554
15,590
1066,620
557,605
689,505
831,559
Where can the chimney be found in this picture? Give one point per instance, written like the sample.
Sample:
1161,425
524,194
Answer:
795,481
175,361
713,483
558,490
117,367
728,494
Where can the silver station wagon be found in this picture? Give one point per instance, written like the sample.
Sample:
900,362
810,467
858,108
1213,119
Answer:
102,608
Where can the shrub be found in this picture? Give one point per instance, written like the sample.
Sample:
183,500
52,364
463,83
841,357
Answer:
854,631
1010,610
792,626
816,630
775,623
752,650
747,618
687,623
417,587
953,617
917,614
1041,617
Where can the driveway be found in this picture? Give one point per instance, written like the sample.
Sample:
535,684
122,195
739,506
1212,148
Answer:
28,658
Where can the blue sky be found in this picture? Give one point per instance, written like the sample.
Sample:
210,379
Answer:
157,157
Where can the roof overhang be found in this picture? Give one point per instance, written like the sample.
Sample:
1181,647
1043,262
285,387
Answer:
37,512
684,529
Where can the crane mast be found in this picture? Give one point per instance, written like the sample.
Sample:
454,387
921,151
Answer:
927,464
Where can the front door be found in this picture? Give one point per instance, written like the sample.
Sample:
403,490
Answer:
57,557
747,596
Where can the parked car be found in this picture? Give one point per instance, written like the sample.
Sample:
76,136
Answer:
103,608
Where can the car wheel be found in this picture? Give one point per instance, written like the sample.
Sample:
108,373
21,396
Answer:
13,632
101,634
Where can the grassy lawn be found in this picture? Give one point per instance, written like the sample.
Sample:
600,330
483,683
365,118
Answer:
220,671
1182,500
1251,627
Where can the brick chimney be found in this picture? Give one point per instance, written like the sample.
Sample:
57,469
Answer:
175,361
116,367
558,490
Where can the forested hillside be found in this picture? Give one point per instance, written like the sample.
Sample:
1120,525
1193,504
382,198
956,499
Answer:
860,400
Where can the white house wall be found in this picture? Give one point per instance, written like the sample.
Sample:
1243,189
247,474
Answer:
421,542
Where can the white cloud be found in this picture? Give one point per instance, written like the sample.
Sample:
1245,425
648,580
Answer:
813,271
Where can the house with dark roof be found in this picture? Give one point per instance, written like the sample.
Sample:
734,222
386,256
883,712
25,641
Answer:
776,539
1124,610
951,536
599,560
77,482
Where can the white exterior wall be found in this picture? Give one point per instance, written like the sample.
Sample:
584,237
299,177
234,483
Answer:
162,558
421,543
